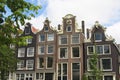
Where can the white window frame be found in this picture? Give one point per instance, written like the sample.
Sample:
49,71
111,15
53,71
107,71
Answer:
50,37
40,38
29,75
42,47
21,52
61,64
66,54
43,64
100,34
48,49
29,63
73,36
20,76
60,39
91,52
30,52
47,62
29,41
41,77
72,51
101,66
20,65
88,66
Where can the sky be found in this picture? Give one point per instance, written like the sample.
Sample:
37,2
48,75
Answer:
107,12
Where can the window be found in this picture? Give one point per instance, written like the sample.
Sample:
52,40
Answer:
30,52
50,49
98,36
63,39
20,65
75,71
41,62
108,77
91,64
29,41
41,49
63,53
27,30
99,49
39,76
45,28
75,38
106,49
21,52
49,62
29,64
69,28
50,37
106,64
90,49
42,37
20,77
62,71
29,76
75,52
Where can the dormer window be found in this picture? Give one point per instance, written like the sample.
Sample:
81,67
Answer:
45,28
98,36
69,28
27,30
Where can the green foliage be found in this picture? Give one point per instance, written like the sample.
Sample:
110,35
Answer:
10,31
84,77
93,62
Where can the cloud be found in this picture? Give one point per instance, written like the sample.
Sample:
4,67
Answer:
114,31
104,11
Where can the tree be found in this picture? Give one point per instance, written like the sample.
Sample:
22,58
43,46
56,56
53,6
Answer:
95,71
20,10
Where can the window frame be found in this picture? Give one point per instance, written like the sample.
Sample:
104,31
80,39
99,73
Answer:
41,47
20,65
29,52
41,37
74,53
48,47
21,51
74,36
96,34
61,37
29,41
66,53
41,65
49,36
101,65
47,62
67,28
28,64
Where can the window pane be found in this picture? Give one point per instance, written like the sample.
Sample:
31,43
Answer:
108,77
106,64
75,38
63,39
75,51
98,36
64,69
50,37
50,48
106,49
42,49
99,49
63,52
90,49
30,51
21,52
20,64
75,71
69,28
49,62
41,62
30,64
59,69
42,37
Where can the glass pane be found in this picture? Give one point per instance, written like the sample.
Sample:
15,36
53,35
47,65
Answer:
63,39
75,38
98,36
50,49
42,37
108,77
41,62
75,51
49,62
99,49
90,50
64,69
106,49
63,52
106,63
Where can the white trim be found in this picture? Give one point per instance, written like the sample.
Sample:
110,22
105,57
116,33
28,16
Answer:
72,51
66,54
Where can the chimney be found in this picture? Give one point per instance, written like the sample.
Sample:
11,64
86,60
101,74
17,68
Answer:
88,33
83,27
59,27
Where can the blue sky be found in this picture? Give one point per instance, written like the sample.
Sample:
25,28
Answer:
107,12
